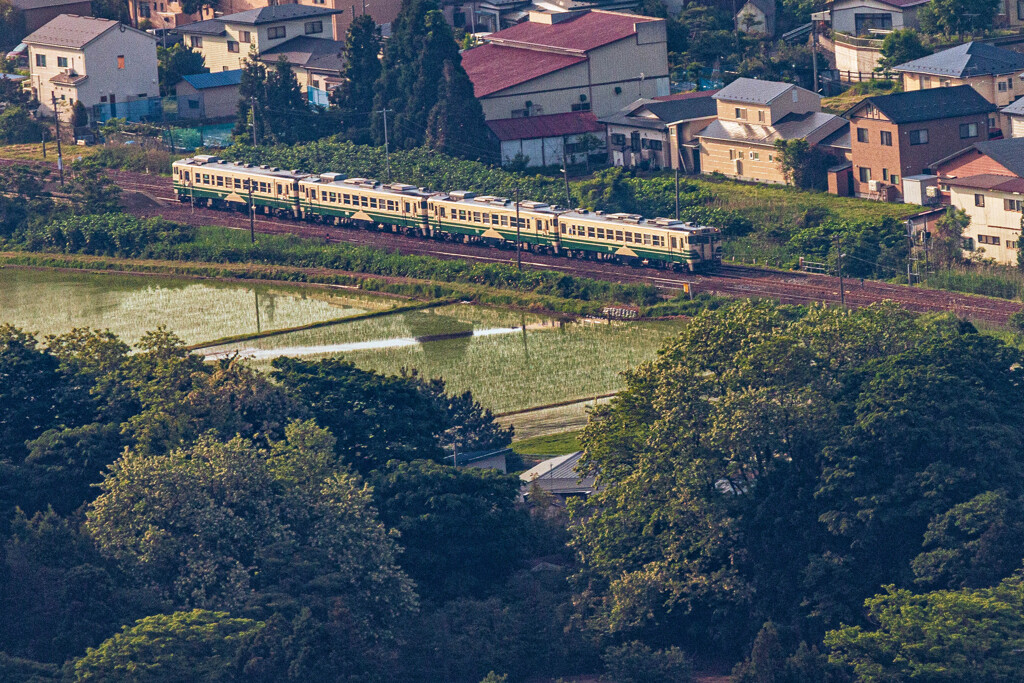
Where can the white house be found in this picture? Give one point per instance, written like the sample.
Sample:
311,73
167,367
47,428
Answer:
108,66
861,17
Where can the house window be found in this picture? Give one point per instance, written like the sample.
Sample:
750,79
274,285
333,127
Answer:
1020,10
979,200
232,46
919,137
894,179
1012,205
862,135
193,104
886,137
618,138
760,116
314,27
732,154
1002,88
755,155
62,62
581,106
195,41
741,113
40,60
988,239
144,10
864,173
655,145
275,32
243,37
968,130
885,174
926,81
120,61
863,23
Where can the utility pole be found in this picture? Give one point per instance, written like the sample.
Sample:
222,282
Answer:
814,52
839,264
44,143
387,151
252,216
677,192
519,260
252,114
56,125
565,174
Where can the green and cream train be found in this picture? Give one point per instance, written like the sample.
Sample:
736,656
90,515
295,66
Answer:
333,199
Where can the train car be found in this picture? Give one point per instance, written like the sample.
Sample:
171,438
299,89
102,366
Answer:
493,218
222,184
632,238
330,197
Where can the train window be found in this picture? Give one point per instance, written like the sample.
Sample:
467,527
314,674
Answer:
462,214
423,203
206,179
600,233
647,239
280,190
504,221
407,209
476,217
373,202
312,194
186,175
363,202
487,218
590,231
618,235
441,210
673,241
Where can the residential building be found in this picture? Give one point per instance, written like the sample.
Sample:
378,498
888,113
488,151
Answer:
383,12
661,132
494,459
898,135
171,14
986,180
593,61
34,14
864,17
995,72
756,18
548,139
95,61
1012,118
299,33
752,116
209,96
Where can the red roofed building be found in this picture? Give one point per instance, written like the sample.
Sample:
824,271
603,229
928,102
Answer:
546,140
575,61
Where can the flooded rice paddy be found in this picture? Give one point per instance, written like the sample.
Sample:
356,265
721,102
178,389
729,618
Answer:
510,360
51,302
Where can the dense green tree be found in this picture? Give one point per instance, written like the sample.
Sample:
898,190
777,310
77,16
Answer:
635,662
460,528
362,69
947,239
456,125
112,9
92,191
177,61
786,466
375,418
215,523
12,25
901,46
966,635
169,648
252,100
957,16
17,126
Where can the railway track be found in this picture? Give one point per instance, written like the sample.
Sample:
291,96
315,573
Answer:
737,281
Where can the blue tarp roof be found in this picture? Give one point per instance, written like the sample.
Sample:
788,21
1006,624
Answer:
218,79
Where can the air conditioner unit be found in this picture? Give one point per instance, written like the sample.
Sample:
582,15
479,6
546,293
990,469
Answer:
932,191
874,185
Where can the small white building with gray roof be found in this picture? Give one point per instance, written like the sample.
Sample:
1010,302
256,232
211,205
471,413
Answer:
92,61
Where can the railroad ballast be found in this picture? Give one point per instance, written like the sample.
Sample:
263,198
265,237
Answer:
333,199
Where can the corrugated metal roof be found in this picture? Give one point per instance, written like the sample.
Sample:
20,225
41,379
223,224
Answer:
496,67
546,126
967,60
218,79
267,15
584,32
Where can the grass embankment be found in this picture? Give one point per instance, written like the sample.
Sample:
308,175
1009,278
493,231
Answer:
548,446
1002,282
858,92
34,152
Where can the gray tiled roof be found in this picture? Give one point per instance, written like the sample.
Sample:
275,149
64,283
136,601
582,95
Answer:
663,111
310,53
928,104
969,59
753,91
1017,108
257,17
73,31
812,126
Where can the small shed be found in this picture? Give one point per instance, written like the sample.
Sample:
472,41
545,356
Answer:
546,139
559,477
210,95
494,459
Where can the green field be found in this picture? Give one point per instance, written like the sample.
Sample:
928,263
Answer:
514,361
